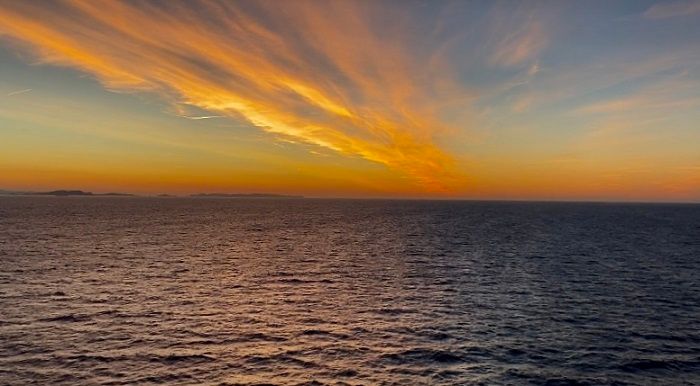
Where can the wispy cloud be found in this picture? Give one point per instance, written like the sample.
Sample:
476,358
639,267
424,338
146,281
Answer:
669,94
525,42
18,92
202,117
574,84
314,71
670,9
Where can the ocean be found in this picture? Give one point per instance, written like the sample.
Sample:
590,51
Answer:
207,291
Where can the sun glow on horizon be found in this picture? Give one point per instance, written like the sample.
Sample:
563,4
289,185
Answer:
353,98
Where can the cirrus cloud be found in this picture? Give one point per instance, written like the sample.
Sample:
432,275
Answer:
315,72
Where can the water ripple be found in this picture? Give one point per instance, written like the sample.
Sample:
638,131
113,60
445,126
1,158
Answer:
126,291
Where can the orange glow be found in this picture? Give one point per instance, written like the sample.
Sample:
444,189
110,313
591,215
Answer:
351,98
254,71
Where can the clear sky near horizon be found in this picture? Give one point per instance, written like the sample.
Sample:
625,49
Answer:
570,100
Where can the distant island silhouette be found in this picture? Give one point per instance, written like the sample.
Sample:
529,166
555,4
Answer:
61,193
78,193
83,193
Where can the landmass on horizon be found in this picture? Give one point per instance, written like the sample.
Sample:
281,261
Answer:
61,192
65,193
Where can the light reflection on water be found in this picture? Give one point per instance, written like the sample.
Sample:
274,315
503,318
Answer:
214,291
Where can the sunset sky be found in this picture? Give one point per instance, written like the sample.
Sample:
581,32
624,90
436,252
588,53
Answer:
580,100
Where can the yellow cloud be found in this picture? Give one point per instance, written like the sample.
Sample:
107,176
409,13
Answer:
312,71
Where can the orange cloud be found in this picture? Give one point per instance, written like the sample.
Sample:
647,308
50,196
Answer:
317,72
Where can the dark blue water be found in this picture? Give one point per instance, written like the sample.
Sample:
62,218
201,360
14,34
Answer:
117,291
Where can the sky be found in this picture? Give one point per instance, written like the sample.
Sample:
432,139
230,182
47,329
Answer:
543,100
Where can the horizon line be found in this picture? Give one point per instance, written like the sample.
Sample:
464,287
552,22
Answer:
222,195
